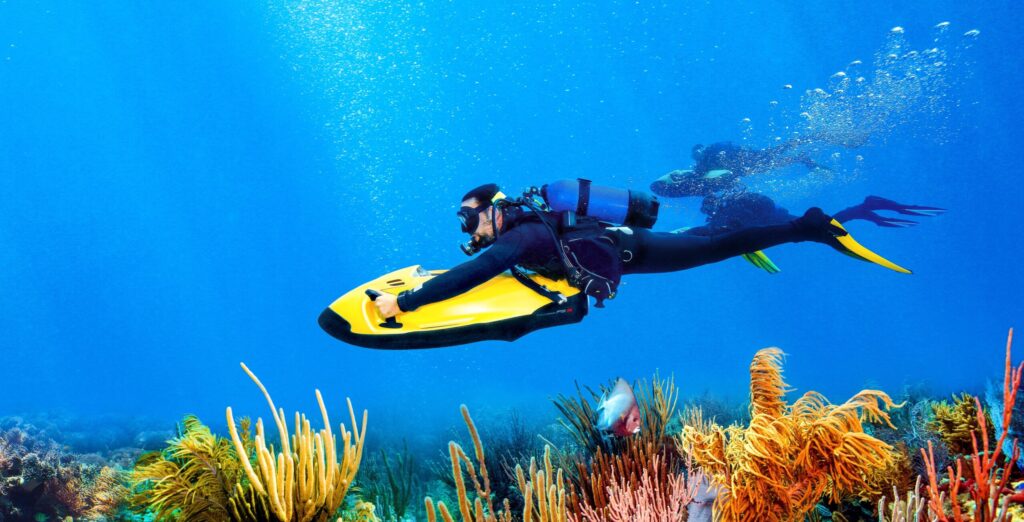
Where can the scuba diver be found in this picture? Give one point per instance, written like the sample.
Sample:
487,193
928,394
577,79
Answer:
571,240
732,211
728,205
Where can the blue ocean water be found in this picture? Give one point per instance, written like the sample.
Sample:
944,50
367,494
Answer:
184,186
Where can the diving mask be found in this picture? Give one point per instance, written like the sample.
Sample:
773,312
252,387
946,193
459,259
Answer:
469,217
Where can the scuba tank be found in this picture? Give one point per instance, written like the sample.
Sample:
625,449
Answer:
614,205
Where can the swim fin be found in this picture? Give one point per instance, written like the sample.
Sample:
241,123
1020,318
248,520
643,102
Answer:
761,260
849,246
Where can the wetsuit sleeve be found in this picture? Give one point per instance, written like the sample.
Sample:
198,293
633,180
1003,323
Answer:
501,256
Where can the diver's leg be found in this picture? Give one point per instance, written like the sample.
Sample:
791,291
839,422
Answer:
657,252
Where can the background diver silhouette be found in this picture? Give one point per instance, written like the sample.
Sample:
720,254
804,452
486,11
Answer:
728,205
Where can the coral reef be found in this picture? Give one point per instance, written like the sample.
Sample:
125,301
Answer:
808,461
602,464
908,431
657,402
193,478
789,457
957,423
907,509
543,489
596,474
201,477
986,488
649,499
994,401
578,417
390,485
310,482
39,479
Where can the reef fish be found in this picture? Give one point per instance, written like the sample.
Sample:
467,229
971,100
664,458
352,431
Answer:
618,412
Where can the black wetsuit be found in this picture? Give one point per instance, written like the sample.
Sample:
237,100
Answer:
528,243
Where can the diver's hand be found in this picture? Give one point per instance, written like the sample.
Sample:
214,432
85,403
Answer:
387,305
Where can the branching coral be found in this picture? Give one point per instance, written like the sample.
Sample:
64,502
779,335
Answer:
543,490
578,419
305,481
390,484
908,509
989,476
657,406
656,401
605,460
789,457
957,423
636,457
649,499
483,504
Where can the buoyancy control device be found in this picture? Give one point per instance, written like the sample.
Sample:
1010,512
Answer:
592,263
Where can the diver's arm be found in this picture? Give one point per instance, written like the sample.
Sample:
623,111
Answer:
500,257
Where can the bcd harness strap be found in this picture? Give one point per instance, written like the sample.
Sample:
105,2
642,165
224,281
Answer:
583,203
555,297
572,271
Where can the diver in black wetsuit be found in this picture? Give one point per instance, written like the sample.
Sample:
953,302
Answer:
513,237
733,211
728,204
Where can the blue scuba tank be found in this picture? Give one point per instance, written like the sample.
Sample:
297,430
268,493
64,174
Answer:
614,205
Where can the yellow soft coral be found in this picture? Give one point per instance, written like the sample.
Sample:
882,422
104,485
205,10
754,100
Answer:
192,479
789,457
307,479
955,422
543,488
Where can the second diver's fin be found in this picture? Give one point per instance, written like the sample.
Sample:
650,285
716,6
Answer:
851,247
760,260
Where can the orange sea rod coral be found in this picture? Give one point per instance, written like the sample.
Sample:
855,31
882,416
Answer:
789,457
988,467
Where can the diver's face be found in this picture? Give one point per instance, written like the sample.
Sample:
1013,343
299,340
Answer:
484,232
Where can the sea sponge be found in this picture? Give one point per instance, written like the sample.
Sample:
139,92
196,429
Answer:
781,465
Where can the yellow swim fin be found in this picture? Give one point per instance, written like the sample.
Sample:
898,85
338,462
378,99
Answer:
852,248
760,260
